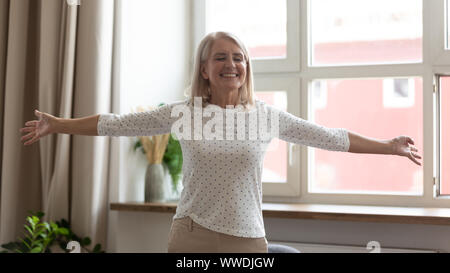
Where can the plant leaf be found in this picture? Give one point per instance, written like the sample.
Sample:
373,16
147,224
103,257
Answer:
25,243
31,222
64,223
28,229
63,231
47,226
38,232
137,145
86,241
37,249
97,248
53,226
11,246
40,214
35,219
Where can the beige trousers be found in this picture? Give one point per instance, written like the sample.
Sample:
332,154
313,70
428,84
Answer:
186,236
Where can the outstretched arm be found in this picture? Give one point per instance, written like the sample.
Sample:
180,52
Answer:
48,124
397,146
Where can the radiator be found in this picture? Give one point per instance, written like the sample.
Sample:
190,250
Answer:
371,247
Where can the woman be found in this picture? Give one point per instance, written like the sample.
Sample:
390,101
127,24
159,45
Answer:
220,205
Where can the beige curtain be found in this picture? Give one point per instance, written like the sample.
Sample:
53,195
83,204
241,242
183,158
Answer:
57,58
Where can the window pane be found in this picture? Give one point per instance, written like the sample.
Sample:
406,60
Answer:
260,24
275,160
366,31
445,135
376,108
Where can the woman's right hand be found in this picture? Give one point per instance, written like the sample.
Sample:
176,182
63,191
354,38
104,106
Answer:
36,129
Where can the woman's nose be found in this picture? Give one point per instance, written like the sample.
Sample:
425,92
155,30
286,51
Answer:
230,62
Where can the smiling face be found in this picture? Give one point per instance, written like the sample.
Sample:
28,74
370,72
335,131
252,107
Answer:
226,67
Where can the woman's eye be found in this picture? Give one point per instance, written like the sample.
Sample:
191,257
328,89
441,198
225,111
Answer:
238,60
220,59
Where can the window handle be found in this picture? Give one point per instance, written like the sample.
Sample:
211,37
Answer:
292,148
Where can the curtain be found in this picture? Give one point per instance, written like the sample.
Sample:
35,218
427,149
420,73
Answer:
55,56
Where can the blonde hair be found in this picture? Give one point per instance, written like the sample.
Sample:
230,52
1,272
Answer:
200,87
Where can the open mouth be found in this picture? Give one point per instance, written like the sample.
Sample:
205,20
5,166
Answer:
229,75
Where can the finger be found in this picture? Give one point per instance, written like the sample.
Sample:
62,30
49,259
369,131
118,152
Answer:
25,137
416,155
413,148
37,113
34,139
415,161
27,129
31,123
410,140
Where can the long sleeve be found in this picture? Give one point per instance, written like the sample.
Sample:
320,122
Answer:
154,122
296,130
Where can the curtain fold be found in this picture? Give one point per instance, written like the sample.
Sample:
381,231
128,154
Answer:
4,15
56,58
57,41
92,95
21,176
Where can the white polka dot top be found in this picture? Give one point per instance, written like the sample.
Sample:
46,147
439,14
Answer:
222,187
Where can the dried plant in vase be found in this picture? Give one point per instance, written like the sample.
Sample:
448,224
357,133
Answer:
160,150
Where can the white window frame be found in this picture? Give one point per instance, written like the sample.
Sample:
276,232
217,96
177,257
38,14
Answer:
289,64
435,60
291,87
437,134
439,54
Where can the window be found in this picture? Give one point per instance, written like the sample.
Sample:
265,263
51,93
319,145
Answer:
264,31
275,160
366,114
269,28
281,171
365,31
363,65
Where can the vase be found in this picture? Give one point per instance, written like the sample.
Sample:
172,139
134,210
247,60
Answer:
155,188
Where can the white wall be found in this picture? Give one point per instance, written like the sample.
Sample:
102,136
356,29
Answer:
152,66
148,232
155,57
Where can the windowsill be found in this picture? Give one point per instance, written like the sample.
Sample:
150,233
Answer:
403,215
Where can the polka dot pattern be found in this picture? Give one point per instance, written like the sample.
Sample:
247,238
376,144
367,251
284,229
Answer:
222,187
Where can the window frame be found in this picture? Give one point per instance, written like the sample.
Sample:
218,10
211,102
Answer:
437,134
435,59
290,86
439,54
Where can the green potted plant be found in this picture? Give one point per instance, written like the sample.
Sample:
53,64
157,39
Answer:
40,236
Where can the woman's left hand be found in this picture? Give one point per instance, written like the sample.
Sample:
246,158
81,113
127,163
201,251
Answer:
401,146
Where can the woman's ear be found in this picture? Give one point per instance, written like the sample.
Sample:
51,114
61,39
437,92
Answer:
203,71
